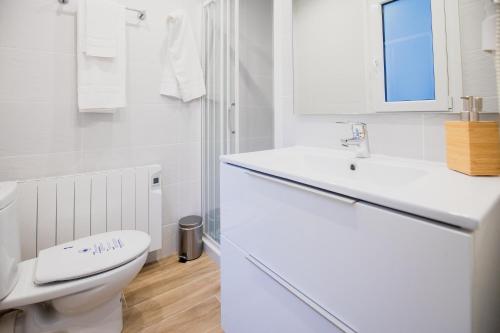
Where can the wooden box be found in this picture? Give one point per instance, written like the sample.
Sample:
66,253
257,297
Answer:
473,147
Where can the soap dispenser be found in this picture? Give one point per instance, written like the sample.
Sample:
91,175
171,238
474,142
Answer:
477,108
473,106
473,146
468,105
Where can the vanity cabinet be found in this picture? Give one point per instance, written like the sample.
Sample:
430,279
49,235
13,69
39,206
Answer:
300,259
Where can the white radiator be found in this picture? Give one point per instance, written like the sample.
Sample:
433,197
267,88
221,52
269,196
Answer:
57,210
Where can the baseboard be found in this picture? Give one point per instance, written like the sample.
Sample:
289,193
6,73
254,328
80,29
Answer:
212,249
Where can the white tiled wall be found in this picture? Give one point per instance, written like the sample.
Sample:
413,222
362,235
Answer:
409,135
41,132
479,78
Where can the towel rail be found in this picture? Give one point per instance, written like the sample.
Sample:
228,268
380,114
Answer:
141,14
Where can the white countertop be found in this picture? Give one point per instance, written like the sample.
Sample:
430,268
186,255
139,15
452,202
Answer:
421,188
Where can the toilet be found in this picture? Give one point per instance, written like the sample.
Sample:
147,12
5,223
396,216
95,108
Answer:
71,287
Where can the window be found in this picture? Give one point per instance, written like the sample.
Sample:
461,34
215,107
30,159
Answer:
408,51
410,58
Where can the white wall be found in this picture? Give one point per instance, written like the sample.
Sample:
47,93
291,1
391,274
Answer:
41,132
477,66
409,135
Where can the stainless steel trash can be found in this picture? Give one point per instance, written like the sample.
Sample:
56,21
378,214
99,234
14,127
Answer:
190,238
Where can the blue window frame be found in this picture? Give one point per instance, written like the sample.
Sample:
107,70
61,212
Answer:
408,51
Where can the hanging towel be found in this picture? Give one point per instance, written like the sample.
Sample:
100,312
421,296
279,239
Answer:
182,74
101,28
101,80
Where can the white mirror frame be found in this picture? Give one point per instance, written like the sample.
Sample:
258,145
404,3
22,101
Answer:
441,47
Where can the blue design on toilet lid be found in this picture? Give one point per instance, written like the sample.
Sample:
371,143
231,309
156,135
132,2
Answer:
89,256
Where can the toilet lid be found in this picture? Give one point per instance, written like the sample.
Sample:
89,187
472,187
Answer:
88,256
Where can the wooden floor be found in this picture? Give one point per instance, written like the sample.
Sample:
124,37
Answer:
168,296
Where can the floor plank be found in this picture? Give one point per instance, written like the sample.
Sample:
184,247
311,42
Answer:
168,296
170,277
201,318
216,329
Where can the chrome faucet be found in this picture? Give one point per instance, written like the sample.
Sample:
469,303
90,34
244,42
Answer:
359,139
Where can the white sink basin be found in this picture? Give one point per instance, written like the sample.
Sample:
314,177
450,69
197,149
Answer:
374,171
340,167
422,188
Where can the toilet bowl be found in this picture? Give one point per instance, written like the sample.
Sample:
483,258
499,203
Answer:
71,287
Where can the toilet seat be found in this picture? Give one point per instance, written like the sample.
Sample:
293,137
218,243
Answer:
88,256
27,292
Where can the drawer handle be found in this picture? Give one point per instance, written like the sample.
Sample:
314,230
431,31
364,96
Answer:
300,295
305,188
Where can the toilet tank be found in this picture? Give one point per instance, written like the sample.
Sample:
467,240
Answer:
10,249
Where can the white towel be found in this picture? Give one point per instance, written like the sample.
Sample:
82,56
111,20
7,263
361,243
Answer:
101,80
101,28
182,74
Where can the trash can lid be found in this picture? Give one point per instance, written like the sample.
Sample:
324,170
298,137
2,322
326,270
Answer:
192,221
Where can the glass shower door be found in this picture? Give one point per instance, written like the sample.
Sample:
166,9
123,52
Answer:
238,109
219,106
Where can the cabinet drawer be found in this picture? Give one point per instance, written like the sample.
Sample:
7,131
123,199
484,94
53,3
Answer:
252,301
374,269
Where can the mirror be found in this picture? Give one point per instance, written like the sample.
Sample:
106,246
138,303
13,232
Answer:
367,56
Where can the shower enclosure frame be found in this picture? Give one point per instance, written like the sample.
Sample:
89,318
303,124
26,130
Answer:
220,24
